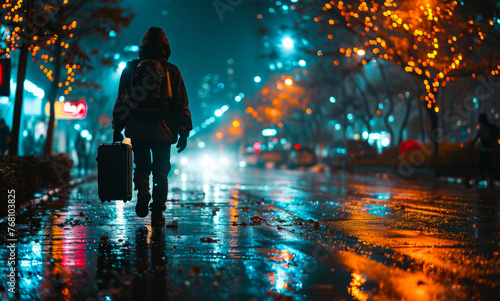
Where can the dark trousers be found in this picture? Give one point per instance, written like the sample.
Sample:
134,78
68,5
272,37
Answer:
485,164
160,166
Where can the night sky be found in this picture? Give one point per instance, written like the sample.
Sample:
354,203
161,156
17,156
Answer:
201,43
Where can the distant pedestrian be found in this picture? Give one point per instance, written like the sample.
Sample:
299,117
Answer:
82,154
29,144
4,137
152,106
40,145
488,135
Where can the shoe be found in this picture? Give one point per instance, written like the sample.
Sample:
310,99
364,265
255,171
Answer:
143,198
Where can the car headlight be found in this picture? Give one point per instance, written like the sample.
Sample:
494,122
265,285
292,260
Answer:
207,161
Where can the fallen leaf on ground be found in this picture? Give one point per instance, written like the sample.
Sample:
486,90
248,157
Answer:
208,239
174,224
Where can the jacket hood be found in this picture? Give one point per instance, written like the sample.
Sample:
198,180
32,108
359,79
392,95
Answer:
155,45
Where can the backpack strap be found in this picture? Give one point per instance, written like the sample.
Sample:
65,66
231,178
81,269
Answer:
134,64
166,91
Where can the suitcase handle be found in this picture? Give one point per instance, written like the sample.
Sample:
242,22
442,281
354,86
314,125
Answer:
113,143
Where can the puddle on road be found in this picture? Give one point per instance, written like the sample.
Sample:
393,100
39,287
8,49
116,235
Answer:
262,241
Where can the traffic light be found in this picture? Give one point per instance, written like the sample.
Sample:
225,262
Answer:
4,77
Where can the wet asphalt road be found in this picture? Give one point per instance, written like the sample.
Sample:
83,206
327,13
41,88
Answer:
251,234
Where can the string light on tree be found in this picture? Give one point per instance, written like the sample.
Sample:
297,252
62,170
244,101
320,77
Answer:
427,38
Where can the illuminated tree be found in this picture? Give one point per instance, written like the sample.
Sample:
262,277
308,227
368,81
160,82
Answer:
77,21
324,72
283,104
436,41
57,34
20,34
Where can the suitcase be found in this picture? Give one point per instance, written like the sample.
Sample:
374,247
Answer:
114,172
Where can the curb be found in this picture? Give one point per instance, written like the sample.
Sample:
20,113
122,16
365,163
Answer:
417,172
48,195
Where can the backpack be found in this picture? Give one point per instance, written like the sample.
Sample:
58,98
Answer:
146,113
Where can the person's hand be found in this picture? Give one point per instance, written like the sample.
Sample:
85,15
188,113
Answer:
181,144
117,136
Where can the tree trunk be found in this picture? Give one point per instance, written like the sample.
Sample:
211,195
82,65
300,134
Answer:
344,131
442,106
435,134
386,120
391,102
366,103
421,120
405,120
18,102
318,135
344,122
368,125
52,95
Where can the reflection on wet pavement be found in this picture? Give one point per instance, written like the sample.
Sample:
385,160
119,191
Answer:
266,235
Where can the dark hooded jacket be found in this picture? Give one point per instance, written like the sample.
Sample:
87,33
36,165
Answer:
152,101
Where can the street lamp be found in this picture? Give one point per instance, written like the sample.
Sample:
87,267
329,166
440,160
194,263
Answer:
287,42
122,66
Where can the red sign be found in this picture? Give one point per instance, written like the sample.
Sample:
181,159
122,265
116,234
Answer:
68,110
4,77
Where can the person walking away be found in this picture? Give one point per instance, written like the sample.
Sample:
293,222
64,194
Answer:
40,145
488,135
152,106
29,144
81,153
4,137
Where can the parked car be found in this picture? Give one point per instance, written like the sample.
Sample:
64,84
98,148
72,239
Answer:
337,155
408,146
303,157
343,154
360,149
272,159
250,158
